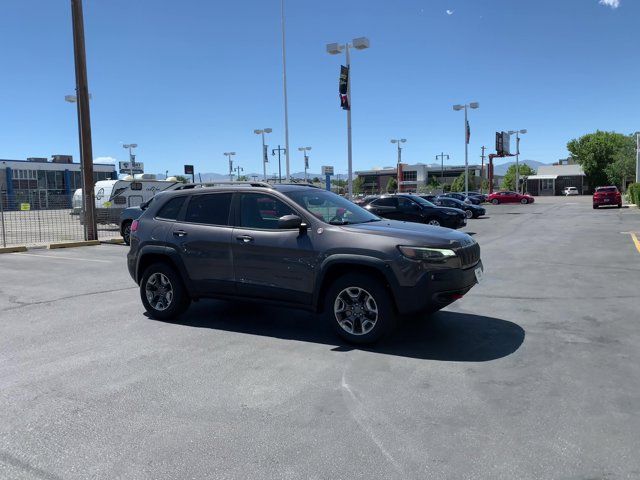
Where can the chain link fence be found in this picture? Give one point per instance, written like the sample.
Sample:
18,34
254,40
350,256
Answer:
39,218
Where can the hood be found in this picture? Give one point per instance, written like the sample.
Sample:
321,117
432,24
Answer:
409,233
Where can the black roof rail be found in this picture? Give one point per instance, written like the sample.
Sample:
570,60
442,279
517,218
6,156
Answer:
299,184
188,186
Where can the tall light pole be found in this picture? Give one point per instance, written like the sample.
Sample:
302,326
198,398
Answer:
238,169
265,158
132,157
74,99
467,135
517,132
637,157
399,141
229,155
441,157
304,151
360,43
284,88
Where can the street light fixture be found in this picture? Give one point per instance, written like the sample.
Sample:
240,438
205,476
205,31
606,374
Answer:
265,158
360,43
306,160
132,157
467,132
517,133
229,155
398,141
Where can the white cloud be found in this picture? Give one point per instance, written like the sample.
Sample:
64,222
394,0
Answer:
110,160
610,3
450,12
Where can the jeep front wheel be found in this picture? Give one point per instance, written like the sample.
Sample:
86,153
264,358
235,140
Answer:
359,308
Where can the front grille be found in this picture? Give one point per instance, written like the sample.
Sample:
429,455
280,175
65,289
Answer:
469,255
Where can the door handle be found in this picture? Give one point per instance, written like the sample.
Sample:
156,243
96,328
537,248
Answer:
179,233
244,238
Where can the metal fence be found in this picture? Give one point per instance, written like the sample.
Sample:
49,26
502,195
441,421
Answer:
44,218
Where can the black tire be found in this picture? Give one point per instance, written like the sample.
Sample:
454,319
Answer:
524,201
337,311
468,214
619,205
179,299
595,207
433,221
125,231
495,201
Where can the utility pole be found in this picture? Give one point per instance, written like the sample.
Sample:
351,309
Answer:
482,168
84,118
441,157
637,157
229,155
273,152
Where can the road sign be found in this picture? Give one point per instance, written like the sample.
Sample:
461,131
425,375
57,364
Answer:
188,169
327,170
131,167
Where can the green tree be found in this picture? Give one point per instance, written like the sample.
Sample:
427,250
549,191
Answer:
243,178
623,167
458,184
182,179
602,156
316,180
392,185
358,185
509,181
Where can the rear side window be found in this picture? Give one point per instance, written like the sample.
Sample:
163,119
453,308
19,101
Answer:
211,209
171,209
385,202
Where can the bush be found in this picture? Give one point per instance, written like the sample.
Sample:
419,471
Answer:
633,193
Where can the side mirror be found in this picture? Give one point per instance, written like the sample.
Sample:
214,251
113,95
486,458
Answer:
289,222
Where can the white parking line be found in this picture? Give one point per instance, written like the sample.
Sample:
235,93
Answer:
57,257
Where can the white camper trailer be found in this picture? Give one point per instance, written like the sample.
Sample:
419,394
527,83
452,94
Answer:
113,196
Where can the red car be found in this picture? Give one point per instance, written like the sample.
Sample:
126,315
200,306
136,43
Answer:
605,196
510,197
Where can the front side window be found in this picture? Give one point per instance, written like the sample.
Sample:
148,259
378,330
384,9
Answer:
258,210
404,202
210,209
331,208
171,209
385,202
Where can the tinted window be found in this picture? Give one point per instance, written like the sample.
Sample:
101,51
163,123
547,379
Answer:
404,202
262,211
607,189
212,209
330,207
171,209
385,202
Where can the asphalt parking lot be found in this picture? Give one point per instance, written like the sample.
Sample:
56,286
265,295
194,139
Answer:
534,374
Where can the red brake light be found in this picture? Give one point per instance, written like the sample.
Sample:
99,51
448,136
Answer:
134,226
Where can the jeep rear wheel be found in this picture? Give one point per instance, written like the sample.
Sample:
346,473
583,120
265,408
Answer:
163,294
359,308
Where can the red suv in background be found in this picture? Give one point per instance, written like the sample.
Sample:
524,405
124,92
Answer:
605,196
509,197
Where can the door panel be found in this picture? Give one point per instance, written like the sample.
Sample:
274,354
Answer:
269,262
203,239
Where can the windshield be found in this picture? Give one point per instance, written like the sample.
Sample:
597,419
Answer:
331,208
423,201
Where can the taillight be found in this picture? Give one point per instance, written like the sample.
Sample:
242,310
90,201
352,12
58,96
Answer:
134,225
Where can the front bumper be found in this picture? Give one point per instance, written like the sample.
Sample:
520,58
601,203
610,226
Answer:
436,289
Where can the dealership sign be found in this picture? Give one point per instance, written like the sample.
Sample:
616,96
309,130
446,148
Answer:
131,167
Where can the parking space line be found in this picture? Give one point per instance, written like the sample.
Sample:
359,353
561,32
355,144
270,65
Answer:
57,257
636,241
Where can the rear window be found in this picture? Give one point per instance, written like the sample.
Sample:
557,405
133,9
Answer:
211,209
171,209
607,189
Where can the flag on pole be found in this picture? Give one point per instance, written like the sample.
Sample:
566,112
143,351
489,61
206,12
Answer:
468,132
343,87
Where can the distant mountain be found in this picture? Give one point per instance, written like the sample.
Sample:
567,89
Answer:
502,169
220,177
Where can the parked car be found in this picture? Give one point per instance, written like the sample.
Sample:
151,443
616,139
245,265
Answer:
462,197
470,210
510,197
570,191
366,199
607,196
412,208
482,196
312,249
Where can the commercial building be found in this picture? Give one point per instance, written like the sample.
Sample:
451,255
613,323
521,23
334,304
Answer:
44,183
416,177
552,179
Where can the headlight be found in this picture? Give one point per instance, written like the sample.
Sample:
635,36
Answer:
426,254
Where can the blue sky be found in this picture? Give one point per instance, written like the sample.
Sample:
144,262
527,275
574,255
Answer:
188,80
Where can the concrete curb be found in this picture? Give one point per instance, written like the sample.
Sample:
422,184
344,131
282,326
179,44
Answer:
117,241
73,244
21,248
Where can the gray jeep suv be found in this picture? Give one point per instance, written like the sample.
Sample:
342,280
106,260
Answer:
299,246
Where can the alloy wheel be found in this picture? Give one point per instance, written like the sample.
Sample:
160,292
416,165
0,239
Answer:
355,310
159,291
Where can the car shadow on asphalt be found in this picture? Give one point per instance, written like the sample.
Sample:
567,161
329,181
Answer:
445,336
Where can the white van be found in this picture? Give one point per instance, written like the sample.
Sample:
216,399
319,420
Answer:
113,196
570,191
